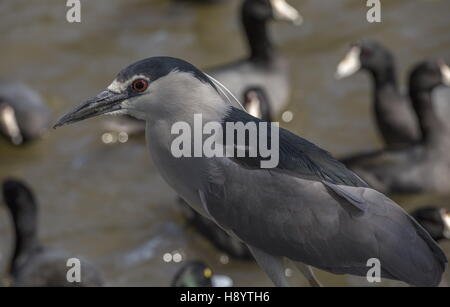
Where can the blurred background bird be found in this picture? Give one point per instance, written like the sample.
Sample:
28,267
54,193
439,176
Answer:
395,118
435,220
264,67
24,116
422,167
32,264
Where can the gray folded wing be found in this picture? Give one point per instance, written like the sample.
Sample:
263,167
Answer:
319,225
297,156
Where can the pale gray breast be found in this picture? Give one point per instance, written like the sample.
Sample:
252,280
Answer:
185,175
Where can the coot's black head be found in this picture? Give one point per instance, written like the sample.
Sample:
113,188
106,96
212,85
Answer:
366,54
428,75
256,102
257,9
18,197
193,274
374,55
435,220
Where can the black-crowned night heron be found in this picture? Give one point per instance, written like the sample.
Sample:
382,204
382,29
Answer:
263,67
423,167
394,115
309,208
23,114
32,264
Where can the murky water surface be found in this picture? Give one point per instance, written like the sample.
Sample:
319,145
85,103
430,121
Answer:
107,202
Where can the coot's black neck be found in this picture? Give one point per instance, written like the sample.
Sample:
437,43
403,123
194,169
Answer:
261,49
26,240
432,128
385,77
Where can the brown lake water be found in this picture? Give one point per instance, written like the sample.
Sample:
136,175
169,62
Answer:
107,202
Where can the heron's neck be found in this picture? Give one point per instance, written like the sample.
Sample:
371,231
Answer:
261,50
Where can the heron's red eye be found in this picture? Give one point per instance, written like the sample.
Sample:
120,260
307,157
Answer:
139,85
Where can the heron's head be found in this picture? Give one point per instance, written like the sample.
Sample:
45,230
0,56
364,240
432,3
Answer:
365,54
271,9
153,88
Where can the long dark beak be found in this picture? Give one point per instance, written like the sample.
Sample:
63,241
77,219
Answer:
105,102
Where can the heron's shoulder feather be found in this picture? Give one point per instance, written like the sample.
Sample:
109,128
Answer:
297,156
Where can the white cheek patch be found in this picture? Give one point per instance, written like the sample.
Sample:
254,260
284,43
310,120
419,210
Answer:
117,87
349,64
283,11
